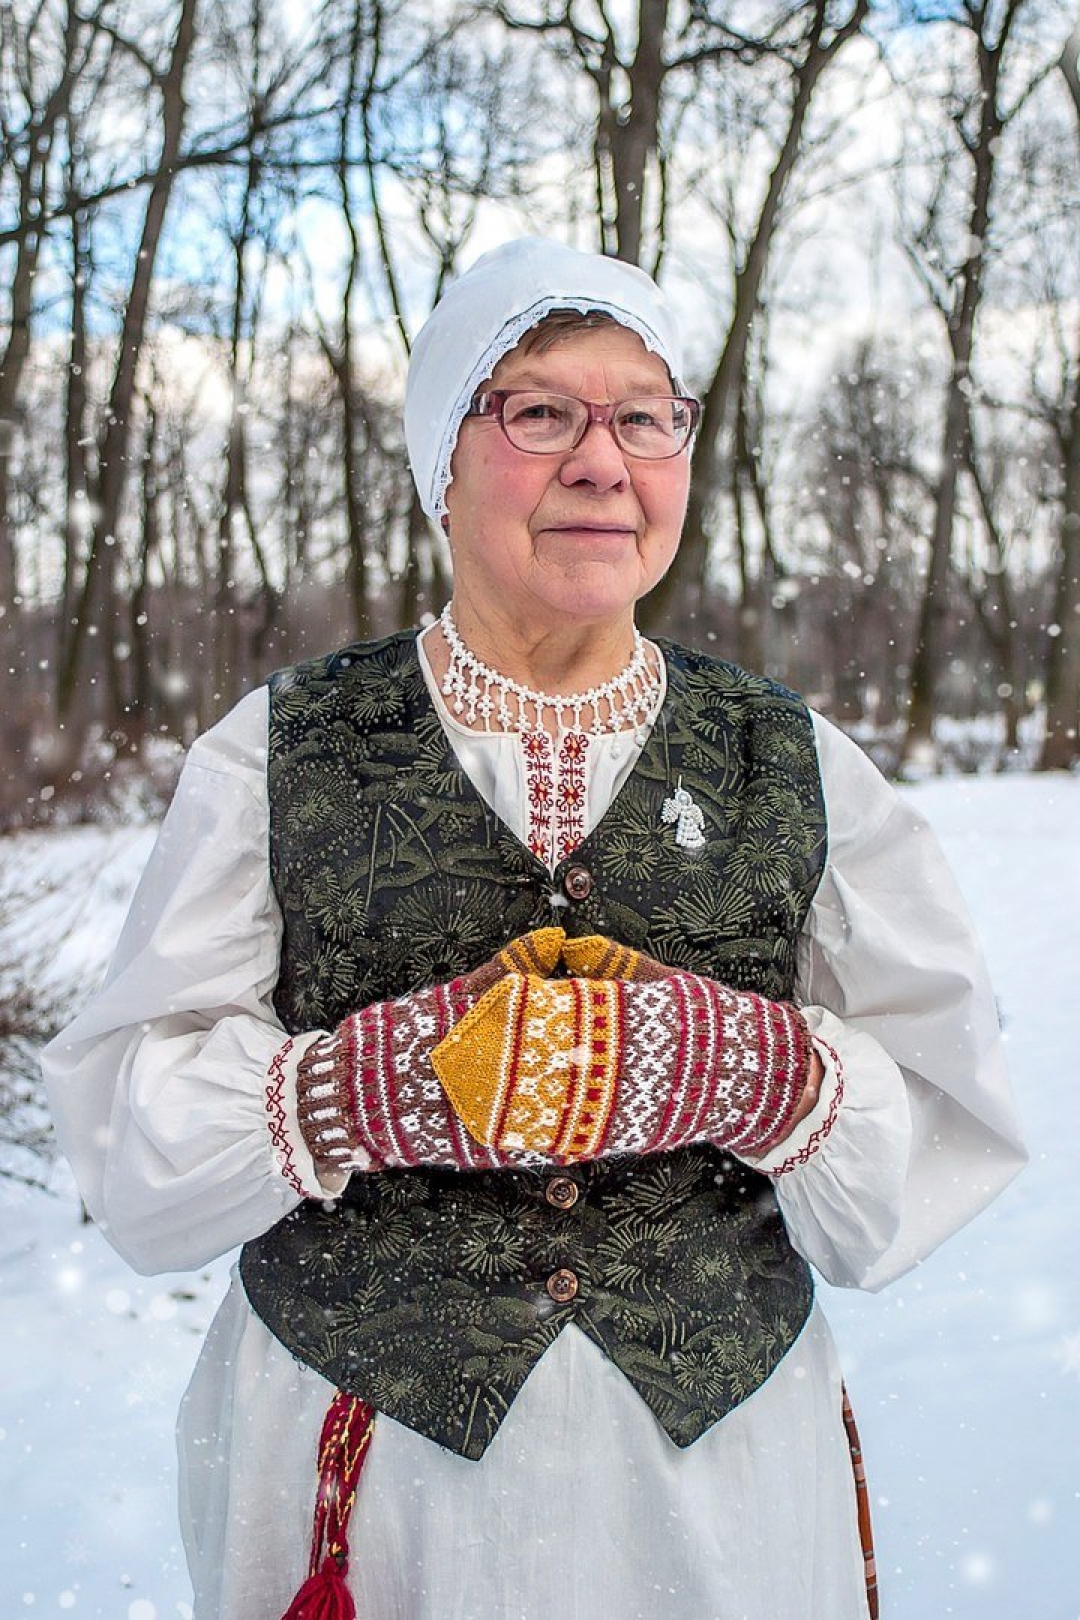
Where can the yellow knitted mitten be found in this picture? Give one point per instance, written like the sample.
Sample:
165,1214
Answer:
596,957
537,953
534,1065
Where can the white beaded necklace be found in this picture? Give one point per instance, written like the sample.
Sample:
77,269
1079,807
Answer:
478,693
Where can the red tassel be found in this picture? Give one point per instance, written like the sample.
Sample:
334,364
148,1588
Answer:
324,1596
343,1446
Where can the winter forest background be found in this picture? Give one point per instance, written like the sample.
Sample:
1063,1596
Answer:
222,223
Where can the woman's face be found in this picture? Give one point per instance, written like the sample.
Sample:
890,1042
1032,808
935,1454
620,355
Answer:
542,540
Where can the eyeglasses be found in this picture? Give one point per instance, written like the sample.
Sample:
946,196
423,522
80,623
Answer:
651,426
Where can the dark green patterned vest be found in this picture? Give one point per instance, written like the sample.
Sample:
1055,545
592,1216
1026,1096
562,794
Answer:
433,1293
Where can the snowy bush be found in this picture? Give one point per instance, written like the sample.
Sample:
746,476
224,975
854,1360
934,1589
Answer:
31,1011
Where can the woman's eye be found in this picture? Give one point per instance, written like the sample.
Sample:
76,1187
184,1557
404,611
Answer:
642,418
539,410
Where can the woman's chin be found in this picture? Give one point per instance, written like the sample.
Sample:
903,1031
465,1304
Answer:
590,592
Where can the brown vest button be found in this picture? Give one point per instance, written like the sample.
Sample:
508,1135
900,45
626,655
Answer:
578,883
562,1286
562,1192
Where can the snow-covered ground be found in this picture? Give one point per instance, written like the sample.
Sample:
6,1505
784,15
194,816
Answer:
965,1376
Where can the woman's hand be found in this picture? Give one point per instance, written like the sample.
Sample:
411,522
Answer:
581,1068
626,1056
367,1096
595,957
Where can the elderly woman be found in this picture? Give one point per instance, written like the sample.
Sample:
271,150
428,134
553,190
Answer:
535,1004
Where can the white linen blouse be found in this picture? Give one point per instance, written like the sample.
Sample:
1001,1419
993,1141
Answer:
582,1505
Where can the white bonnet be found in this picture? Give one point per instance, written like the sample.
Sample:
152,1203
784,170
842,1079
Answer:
485,313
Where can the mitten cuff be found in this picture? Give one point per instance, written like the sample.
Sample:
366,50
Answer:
807,1138
325,1078
305,1173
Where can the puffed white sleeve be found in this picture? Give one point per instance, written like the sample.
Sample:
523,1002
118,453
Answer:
167,1091
914,1131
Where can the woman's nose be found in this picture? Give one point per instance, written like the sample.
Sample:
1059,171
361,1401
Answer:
596,460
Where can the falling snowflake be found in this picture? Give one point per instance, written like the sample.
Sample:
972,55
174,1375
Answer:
977,1569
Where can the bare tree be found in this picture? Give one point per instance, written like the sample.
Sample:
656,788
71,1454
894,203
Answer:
429,116
627,67
1062,745
643,65
952,247
43,56
867,494
251,200
114,438
361,52
1009,494
752,502
816,41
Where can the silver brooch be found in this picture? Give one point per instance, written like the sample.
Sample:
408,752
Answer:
689,818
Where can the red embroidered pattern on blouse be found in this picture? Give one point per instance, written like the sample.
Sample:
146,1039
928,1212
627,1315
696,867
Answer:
274,1100
570,803
556,789
813,1142
536,746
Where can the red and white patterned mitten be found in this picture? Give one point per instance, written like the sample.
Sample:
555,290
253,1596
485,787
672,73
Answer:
582,1068
593,956
367,1095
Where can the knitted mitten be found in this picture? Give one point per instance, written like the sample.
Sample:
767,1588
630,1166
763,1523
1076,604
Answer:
581,1068
367,1096
594,956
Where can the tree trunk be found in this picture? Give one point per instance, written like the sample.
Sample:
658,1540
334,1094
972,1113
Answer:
1061,745
76,491
115,438
32,200
930,652
228,675
633,139
343,368
999,615
689,572
141,702
415,537
744,483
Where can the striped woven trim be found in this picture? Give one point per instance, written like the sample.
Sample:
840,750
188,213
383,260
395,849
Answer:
783,1065
862,1507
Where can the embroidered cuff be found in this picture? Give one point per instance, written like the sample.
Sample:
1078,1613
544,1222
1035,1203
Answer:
290,1152
810,1133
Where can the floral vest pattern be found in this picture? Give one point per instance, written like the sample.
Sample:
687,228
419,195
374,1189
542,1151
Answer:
433,1293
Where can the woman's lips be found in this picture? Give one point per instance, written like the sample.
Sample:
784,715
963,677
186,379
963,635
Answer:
590,528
